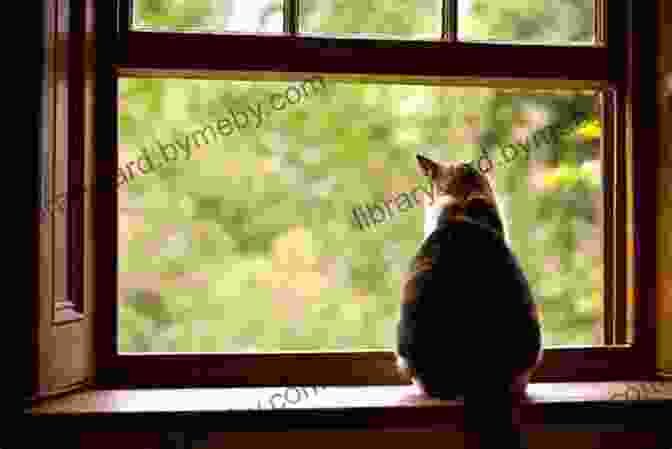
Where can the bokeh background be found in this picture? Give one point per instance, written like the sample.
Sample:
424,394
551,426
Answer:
250,246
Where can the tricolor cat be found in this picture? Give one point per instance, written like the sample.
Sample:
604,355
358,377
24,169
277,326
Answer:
469,326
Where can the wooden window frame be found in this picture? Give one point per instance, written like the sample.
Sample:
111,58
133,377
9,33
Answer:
617,65
62,318
63,222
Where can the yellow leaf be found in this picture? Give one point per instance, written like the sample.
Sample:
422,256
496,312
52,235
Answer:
551,178
590,130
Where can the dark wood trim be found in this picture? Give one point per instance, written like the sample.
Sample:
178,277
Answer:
68,151
621,268
66,312
75,142
279,52
664,174
40,396
641,119
38,173
449,20
372,408
552,436
359,368
59,158
43,312
290,16
104,198
622,271
639,416
600,22
607,150
124,16
63,335
616,204
66,156
518,85
318,397
614,30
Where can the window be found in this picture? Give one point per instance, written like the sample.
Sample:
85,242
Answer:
175,245
261,202
62,321
62,169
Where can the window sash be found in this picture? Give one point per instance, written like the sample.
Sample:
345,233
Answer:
285,57
62,329
449,20
342,368
62,214
192,55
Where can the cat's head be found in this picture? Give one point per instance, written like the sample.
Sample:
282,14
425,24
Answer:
458,188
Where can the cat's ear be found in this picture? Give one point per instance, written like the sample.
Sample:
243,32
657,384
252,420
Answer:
427,167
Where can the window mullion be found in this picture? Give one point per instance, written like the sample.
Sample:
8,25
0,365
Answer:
262,53
124,16
290,20
599,22
123,25
619,217
607,163
449,20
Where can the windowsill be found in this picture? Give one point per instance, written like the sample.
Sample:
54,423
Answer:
550,404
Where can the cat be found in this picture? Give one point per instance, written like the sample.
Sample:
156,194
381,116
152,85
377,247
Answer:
468,326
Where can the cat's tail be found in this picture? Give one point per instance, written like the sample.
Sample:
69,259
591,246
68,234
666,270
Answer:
491,420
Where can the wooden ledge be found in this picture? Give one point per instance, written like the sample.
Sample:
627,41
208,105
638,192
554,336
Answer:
588,405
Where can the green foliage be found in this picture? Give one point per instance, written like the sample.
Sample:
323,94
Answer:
249,245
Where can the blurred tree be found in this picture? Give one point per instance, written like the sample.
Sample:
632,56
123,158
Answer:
249,245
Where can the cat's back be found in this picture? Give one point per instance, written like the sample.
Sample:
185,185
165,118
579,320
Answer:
469,295
474,249
473,273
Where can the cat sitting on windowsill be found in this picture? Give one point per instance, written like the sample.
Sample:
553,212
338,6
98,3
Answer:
469,328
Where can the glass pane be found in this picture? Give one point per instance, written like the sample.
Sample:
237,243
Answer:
417,19
528,21
236,225
251,16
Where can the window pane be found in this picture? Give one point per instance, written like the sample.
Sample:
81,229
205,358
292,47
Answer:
241,238
417,19
252,16
529,21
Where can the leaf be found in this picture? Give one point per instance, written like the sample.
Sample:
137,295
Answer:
590,130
